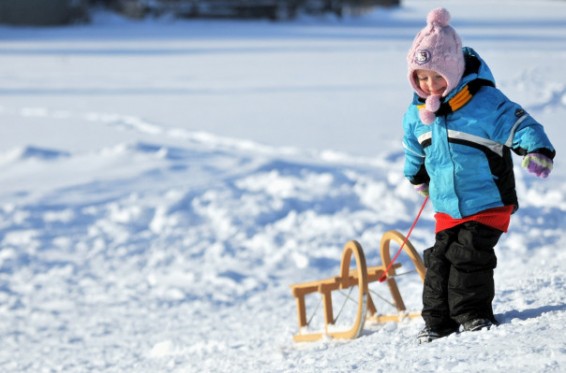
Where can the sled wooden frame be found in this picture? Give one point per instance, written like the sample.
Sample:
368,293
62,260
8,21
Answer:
360,276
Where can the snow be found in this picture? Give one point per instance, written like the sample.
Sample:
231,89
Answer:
164,182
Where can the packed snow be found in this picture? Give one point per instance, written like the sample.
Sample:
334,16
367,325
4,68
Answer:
164,182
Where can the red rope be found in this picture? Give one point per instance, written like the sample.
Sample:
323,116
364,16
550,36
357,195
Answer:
384,277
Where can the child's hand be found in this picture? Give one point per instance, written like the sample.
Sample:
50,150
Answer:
537,164
422,189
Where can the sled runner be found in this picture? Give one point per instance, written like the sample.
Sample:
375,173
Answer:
359,276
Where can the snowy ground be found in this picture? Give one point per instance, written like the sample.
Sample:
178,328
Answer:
163,183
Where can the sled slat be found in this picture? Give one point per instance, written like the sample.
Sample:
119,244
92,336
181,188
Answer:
393,318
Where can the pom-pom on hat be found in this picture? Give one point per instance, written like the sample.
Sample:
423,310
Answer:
436,47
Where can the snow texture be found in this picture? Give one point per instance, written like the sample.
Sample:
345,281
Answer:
164,182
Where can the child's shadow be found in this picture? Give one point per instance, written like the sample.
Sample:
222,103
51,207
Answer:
529,313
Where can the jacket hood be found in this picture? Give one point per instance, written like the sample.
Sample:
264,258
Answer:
476,68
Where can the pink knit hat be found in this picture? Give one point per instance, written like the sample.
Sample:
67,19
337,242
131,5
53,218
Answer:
436,47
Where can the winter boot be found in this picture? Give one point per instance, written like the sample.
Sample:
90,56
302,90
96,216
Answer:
429,334
476,324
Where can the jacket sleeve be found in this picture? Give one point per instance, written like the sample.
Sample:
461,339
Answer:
414,169
529,137
520,132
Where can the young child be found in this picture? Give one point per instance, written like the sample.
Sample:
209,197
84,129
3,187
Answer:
459,132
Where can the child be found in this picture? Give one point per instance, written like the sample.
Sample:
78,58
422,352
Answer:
459,132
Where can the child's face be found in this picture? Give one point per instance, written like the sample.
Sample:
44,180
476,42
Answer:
430,82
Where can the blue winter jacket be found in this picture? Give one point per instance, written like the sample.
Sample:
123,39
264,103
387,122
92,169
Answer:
465,154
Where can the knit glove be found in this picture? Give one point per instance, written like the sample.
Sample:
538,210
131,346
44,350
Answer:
538,164
422,189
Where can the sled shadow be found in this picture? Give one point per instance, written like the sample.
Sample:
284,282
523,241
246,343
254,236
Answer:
529,313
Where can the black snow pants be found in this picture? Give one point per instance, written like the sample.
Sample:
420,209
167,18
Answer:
459,283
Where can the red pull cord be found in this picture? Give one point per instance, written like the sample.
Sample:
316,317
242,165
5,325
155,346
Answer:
384,277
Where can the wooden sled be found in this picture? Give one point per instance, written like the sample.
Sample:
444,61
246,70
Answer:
359,276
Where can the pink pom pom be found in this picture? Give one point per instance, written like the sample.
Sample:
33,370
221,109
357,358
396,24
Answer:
427,117
432,103
439,16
